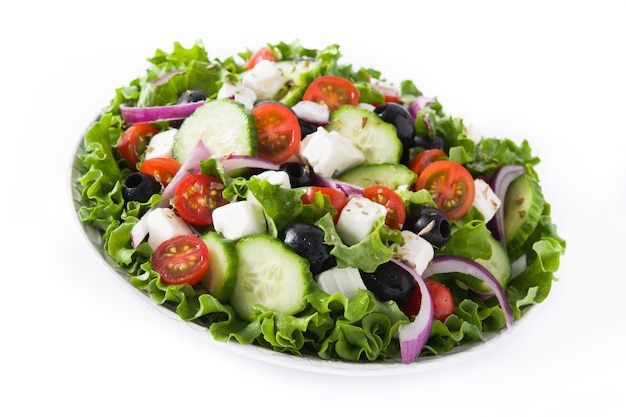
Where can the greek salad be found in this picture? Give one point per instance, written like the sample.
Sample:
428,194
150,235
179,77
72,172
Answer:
282,198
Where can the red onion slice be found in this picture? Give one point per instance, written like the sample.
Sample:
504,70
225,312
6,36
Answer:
499,183
133,115
413,336
449,263
418,104
163,78
233,162
190,166
348,189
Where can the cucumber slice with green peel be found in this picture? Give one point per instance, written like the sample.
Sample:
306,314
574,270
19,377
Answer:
498,264
389,175
224,125
376,138
222,274
271,275
299,73
523,205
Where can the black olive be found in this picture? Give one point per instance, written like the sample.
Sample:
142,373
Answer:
399,116
188,96
299,174
426,142
307,128
139,186
307,241
390,282
438,226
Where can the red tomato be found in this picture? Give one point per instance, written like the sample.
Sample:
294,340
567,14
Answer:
181,260
162,169
391,94
134,141
333,91
396,215
451,186
264,53
197,196
425,158
278,131
443,303
412,307
337,198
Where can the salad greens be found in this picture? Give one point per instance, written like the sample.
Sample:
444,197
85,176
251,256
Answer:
332,326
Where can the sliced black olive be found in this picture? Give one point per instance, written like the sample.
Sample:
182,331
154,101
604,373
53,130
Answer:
390,282
307,128
431,224
426,142
299,174
399,116
139,186
307,241
188,96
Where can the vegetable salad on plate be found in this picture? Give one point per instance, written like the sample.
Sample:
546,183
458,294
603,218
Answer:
284,199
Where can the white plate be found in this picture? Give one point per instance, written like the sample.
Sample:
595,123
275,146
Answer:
306,363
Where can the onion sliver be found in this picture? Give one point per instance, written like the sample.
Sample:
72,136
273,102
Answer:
418,104
413,336
133,115
348,189
449,263
190,166
499,183
165,77
232,162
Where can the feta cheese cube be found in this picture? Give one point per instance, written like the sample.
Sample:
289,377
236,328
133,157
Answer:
239,219
346,281
238,92
273,177
485,200
160,145
330,153
163,224
265,79
358,218
415,251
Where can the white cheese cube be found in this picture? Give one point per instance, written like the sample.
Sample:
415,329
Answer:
358,218
273,177
330,153
238,92
239,219
265,79
346,281
164,224
485,200
160,145
414,251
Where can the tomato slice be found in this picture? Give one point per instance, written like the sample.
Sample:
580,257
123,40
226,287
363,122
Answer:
337,198
263,53
425,158
278,131
443,303
396,214
197,196
333,91
133,142
181,260
162,169
450,185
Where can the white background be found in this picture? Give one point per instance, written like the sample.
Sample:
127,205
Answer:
76,339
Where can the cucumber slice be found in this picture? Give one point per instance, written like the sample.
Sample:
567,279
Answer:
523,205
222,274
271,275
376,138
498,264
389,175
225,127
299,73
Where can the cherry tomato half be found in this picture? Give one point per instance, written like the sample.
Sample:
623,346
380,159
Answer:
333,91
162,169
134,141
425,158
181,260
443,303
337,198
450,185
278,131
396,214
197,196
263,53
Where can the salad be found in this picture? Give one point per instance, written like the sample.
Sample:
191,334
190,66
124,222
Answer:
282,198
